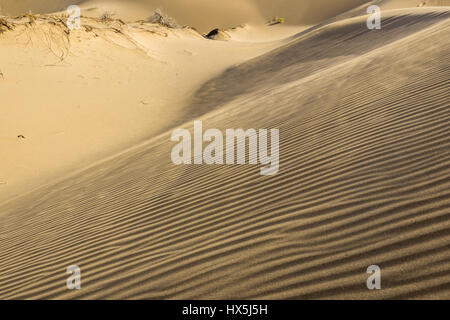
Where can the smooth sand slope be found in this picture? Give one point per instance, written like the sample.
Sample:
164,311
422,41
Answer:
364,176
80,97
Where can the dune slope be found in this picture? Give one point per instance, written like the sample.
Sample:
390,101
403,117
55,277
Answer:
79,96
364,179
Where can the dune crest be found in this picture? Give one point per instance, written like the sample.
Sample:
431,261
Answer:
207,15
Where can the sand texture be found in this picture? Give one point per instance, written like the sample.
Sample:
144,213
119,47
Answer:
364,120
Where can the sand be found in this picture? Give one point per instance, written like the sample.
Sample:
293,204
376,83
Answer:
364,140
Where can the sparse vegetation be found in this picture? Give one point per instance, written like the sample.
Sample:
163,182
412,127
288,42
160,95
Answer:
163,19
107,16
276,20
4,25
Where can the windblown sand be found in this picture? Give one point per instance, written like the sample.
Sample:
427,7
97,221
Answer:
364,166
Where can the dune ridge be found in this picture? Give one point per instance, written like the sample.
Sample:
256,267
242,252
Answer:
364,179
201,14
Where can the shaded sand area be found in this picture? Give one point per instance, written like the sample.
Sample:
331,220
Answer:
364,160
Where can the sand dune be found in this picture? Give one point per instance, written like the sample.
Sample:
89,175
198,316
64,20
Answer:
201,14
84,85
364,168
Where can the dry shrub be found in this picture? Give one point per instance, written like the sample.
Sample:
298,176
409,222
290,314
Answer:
163,19
107,16
4,25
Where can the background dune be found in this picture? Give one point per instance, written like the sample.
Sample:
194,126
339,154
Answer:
207,15
201,14
364,168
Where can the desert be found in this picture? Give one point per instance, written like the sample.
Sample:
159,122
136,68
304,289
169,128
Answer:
362,179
